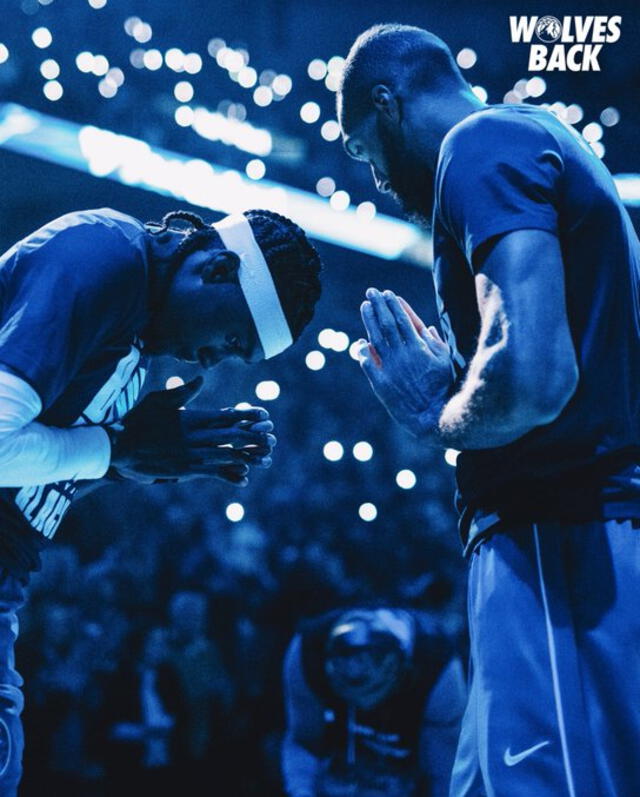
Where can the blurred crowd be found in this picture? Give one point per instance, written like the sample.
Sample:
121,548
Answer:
153,640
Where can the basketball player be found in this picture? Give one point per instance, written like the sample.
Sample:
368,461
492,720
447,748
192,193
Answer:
374,700
536,271
86,303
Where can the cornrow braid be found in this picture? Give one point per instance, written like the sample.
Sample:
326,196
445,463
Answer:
294,264
293,261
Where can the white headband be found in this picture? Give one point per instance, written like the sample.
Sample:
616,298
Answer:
257,284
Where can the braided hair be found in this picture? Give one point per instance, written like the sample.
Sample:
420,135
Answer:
293,261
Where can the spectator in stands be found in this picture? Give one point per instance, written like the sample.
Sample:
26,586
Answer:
374,698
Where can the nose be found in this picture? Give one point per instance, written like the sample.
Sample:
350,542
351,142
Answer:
382,182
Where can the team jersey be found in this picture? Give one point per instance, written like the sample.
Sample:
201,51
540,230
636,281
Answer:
73,301
388,733
507,168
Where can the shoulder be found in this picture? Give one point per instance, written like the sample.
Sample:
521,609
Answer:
101,243
498,124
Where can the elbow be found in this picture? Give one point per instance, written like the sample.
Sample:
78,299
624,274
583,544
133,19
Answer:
545,396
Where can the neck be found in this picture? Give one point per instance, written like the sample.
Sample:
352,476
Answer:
443,112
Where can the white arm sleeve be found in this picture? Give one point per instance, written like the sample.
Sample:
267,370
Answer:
32,453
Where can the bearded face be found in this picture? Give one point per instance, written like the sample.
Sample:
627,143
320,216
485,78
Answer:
411,181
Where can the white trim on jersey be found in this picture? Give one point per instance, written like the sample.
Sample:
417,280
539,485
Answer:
554,668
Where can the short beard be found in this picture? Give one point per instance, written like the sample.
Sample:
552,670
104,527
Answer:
412,182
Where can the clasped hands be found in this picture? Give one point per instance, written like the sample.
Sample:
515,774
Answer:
407,363
161,439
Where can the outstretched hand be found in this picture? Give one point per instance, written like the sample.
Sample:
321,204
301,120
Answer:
162,439
407,363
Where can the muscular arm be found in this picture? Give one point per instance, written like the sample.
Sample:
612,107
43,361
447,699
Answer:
522,374
524,370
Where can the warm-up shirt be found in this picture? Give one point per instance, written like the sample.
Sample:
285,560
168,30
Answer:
73,301
385,737
514,167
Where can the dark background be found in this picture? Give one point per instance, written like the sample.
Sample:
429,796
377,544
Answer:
124,552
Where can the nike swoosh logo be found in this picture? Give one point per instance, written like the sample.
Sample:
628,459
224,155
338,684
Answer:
511,760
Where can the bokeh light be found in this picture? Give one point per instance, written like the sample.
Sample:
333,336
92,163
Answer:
152,59
247,77
610,117
363,451
315,360
480,92
592,132
183,91
53,90
4,53
536,86
330,130
255,169
107,88
141,31
368,512
268,390
173,382
466,58
282,85
451,456
192,63
340,200
184,116
174,59
406,479
263,96
310,112
317,69
333,451
326,186
366,211
49,69
574,114
234,512
99,65
41,37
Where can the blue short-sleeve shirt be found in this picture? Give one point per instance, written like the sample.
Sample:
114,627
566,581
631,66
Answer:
506,168
73,302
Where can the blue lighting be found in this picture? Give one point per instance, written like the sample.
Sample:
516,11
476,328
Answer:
134,162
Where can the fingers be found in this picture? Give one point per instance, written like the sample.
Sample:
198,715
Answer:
234,436
230,415
234,474
403,321
436,335
366,350
418,324
369,364
380,322
180,396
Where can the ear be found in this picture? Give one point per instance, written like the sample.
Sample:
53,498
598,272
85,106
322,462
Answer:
386,102
222,267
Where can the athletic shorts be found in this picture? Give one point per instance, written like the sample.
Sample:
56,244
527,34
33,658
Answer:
554,697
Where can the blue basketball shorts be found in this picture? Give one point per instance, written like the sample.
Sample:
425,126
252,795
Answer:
554,692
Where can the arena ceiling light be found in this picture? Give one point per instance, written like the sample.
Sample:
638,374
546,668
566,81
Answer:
134,162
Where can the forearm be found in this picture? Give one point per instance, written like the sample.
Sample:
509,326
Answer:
38,454
487,410
299,768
